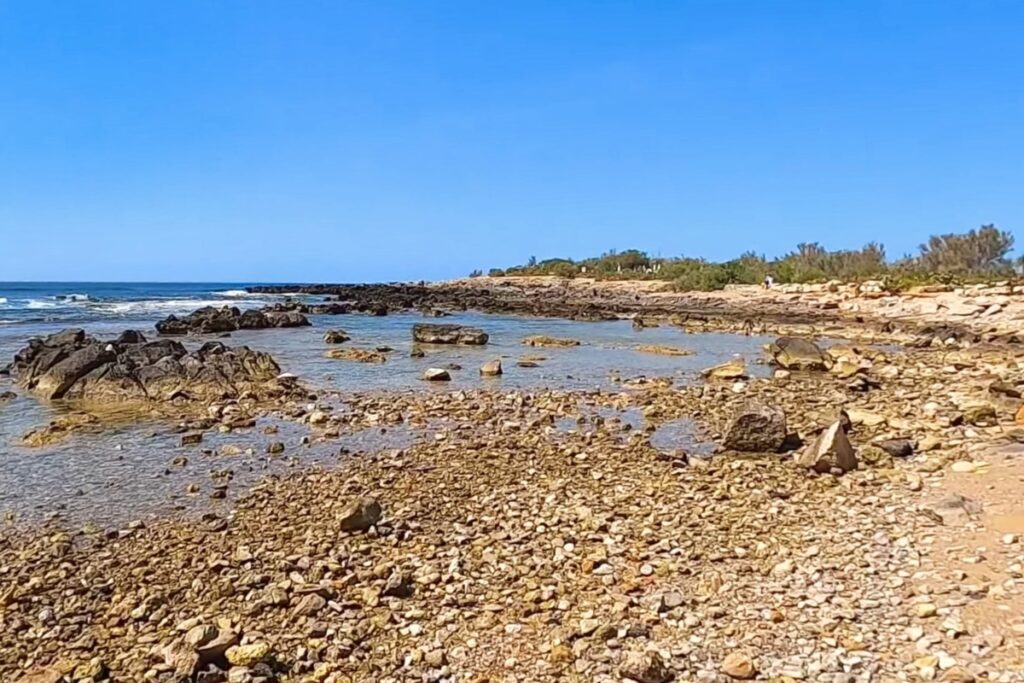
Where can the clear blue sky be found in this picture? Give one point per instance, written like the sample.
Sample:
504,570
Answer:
301,141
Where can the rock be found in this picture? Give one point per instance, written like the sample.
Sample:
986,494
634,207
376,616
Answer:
60,428
357,355
491,368
793,353
72,366
1005,389
191,439
436,375
733,369
739,666
7,396
93,670
41,676
429,333
645,667
310,605
360,514
247,655
980,414
335,337
897,448
416,351
756,428
211,320
663,350
831,450
543,341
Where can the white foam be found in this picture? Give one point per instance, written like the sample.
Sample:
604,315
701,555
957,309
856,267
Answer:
73,297
39,303
3,299
160,305
233,293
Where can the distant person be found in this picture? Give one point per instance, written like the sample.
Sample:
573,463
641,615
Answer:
768,281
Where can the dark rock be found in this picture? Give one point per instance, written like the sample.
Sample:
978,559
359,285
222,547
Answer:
336,337
897,448
71,365
428,333
756,428
211,320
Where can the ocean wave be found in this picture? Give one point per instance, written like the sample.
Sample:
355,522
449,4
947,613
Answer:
8,322
3,300
233,293
40,303
73,297
160,305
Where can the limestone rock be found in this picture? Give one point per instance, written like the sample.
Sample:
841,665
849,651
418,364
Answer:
733,369
831,450
756,428
436,375
645,667
794,353
429,333
491,368
543,341
739,666
360,514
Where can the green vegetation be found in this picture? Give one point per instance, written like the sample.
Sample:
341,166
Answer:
977,255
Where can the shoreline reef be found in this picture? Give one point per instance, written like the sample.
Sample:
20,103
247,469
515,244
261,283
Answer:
860,519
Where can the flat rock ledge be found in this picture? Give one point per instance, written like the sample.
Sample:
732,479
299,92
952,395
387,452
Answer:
428,333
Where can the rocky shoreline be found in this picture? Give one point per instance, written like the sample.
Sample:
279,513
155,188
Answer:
860,310
855,525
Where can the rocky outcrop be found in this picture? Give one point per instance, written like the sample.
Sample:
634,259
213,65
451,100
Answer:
211,320
793,353
357,355
540,340
75,366
336,337
756,428
428,333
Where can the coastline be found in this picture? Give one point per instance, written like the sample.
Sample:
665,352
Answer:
539,535
989,313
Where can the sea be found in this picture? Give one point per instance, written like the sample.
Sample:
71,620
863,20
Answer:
125,473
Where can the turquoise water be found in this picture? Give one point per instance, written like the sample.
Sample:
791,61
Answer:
132,464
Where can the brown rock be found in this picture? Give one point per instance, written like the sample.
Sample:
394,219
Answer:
360,514
645,667
831,450
738,665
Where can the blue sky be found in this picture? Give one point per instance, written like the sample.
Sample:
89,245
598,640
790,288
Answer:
302,141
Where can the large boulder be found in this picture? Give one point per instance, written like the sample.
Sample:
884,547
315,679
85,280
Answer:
830,451
756,428
211,320
72,365
430,333
794,353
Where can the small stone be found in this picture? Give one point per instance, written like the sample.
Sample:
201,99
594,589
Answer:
738,665
645,667
247,655
437,375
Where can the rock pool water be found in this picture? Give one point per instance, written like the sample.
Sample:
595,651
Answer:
128,471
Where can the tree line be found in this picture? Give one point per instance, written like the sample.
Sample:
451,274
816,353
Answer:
977,255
